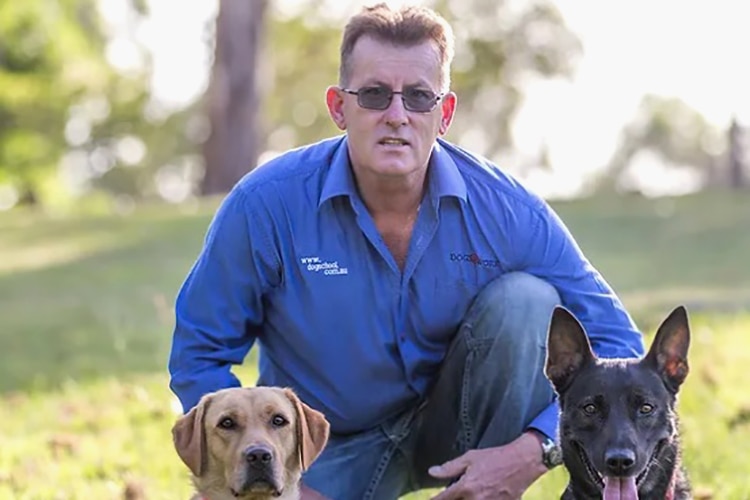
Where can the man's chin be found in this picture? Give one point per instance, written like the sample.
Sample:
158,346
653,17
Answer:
395,169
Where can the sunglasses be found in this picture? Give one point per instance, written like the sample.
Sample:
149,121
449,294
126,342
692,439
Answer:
379,98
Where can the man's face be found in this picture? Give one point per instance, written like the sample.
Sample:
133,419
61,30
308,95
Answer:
393,142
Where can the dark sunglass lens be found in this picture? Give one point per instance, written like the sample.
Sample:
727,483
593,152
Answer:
419,100
375,97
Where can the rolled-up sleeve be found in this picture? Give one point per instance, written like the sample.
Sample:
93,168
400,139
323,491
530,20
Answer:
219,310
546,249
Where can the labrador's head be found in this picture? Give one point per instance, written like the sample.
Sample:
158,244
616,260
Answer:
250,442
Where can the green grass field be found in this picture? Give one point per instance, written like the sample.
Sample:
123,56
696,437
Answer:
86,319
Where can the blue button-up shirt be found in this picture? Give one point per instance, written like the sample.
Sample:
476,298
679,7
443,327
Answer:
293,260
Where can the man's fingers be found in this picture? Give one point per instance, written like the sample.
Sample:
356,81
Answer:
450,469
453,492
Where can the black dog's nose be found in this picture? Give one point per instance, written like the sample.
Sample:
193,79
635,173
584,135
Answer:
258,456
619,461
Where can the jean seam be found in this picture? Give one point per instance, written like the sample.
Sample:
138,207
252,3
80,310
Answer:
380,470
466,428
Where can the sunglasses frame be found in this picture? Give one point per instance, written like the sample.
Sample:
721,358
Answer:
436,101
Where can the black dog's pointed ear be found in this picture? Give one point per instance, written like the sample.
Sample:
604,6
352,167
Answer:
568,349
668,352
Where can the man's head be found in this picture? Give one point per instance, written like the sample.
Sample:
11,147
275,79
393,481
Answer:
407,27
393,97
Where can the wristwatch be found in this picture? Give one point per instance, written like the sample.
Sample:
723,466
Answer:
551,453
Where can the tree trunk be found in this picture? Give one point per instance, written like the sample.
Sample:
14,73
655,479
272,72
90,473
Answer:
231,149
736,156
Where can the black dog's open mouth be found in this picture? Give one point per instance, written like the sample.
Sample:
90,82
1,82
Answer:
651,460
594,474
597,476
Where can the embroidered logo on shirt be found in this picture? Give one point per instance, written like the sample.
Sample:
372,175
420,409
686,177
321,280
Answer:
475,259
318,265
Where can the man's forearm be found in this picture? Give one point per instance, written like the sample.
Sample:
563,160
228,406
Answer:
530,447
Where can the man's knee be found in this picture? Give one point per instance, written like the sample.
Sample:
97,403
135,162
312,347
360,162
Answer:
513,303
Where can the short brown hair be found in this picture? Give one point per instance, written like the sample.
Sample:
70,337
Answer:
410,25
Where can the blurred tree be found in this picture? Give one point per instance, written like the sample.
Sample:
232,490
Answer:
64,109
669,128
232,98
500,46
49,54
70,122
737,155
135,147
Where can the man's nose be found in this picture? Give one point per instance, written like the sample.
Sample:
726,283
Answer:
396,114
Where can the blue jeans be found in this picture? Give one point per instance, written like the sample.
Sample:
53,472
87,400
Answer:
490,387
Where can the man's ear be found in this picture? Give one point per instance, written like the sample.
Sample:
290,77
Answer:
312,430
335,104
669,350
447,111
568,349
188,435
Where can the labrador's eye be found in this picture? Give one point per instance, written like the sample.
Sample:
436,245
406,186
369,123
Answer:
227,423
590,409
279,421
646,409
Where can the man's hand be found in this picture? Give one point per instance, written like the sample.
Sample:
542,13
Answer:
504,472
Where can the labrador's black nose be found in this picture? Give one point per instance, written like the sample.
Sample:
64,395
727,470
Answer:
258,456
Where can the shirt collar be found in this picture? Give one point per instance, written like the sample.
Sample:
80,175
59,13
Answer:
444,177
340,179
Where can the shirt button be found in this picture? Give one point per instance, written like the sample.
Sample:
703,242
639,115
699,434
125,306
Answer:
402,337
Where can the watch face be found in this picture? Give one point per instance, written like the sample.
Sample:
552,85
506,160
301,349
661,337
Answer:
552,455
555,456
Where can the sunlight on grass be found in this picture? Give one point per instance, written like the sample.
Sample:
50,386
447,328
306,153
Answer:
61,252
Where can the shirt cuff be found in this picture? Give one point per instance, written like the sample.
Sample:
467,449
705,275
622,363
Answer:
189,392
546,422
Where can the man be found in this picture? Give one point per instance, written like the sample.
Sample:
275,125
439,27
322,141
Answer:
400,284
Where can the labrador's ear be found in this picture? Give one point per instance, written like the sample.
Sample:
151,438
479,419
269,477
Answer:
312,430
188,435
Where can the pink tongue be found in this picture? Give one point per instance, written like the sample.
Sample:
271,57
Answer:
620,488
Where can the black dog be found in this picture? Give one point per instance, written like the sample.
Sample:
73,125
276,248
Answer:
618,427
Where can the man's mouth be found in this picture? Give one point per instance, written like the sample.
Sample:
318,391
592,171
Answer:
393,141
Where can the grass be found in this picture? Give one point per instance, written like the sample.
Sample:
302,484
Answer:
85,325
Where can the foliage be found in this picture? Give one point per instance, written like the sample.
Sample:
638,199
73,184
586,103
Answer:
49,58
500,46
68,120
673,131
86,307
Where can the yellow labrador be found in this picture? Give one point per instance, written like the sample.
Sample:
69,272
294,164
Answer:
250,443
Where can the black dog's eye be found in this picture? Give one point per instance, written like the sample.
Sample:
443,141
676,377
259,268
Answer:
227,423
645,409
279,421
590,409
